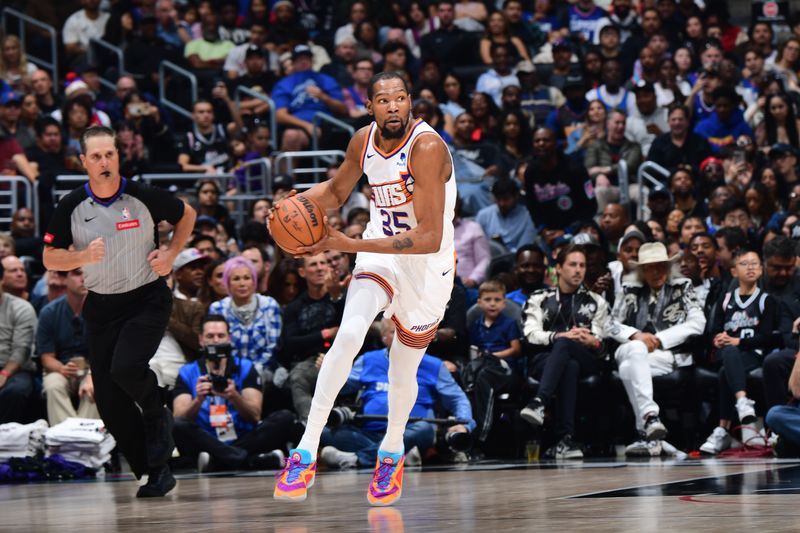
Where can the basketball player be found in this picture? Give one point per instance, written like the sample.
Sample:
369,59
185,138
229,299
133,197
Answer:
404,267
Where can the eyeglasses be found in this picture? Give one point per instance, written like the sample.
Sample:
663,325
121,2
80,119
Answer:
749,266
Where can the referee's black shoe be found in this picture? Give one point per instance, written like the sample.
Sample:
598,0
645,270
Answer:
158,438
159,482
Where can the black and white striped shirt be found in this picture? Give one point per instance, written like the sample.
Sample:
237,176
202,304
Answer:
127,222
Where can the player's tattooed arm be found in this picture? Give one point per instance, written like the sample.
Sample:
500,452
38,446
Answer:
402,243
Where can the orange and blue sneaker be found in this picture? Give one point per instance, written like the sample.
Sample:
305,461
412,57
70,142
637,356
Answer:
387,481
296,477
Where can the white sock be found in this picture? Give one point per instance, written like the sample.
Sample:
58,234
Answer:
365,299
403,365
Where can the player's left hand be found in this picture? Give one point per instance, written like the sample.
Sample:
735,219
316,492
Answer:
161,261
333,240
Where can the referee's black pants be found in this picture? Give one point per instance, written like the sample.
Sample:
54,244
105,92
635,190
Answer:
123,333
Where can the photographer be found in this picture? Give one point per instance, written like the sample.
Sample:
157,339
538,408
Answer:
350,445
217,408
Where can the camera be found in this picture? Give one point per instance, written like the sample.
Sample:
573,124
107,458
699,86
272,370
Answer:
216,352
218,383
341,415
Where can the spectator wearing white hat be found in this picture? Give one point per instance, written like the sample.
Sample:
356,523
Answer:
656,315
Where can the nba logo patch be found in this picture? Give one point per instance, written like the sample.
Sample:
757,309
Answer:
402,162
126,213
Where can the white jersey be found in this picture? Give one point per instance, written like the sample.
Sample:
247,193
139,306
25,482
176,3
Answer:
391,177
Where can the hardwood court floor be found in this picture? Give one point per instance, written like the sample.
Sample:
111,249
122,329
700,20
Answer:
754,496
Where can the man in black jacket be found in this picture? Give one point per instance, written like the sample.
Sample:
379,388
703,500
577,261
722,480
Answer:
558,189
567,322
311,323
680,145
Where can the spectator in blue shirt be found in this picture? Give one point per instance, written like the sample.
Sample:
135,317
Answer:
726,123
496,339
301,95
217,407
507,221
61,342
350,445
529,269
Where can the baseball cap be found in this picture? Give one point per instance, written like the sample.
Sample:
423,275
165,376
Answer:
301,50
561,44
644,85
585,239
10,98
710,161
205,220
189,255
632,234
253,51
780,150
282,182
526,67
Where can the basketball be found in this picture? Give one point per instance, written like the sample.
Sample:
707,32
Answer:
298,221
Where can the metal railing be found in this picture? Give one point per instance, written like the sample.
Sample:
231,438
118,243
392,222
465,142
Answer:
262,178
273,125
624,183
10,199
116,50
291,166
239,206
191,179
319,118
162,87
645,173
22,19
65,183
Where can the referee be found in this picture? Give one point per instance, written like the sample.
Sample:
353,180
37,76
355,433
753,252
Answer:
108,227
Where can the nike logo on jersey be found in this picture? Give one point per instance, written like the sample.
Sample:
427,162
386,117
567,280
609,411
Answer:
370,155
89,219
446,272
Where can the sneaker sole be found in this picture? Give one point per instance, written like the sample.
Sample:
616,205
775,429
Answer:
530,419
657,434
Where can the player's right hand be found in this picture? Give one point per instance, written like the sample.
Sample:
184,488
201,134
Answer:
274,207
96,251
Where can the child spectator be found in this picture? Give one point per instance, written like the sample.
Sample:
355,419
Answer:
495,337
746,330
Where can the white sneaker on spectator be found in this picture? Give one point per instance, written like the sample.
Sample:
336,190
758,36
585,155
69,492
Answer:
772,441
745,407
566,449
654,428
413,457
335,458
752,436
533,413
460,458
644,448
203,462
718,441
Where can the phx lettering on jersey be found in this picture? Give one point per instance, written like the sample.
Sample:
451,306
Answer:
394,193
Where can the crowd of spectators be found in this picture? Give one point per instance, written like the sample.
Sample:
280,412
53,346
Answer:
588,310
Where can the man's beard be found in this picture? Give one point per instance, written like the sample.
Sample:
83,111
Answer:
386,133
